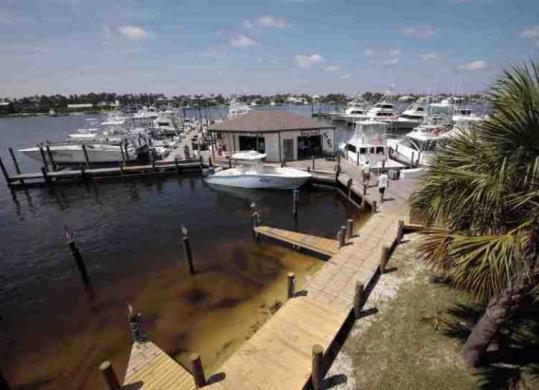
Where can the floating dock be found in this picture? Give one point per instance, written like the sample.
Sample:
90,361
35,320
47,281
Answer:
320,245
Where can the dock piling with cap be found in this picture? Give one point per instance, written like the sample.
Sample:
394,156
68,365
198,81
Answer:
109,376
316,375
77,256
86,158
197,370
359,298
187,249
291,285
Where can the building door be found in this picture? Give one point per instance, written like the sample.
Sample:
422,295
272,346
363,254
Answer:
288,149
309,146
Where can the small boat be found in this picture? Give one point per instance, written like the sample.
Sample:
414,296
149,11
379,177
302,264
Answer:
252,173
237,108
368,144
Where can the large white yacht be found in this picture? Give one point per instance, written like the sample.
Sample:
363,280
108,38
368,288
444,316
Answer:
252,173
368,144
356,110
383,110
413,115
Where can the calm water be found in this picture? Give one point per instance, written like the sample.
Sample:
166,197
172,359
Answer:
54,332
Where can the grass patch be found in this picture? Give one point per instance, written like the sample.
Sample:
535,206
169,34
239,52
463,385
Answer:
405,347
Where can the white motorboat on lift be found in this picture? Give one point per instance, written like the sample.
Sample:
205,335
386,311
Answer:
252,173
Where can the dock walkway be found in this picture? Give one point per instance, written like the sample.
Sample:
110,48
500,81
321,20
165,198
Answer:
150,368
321,245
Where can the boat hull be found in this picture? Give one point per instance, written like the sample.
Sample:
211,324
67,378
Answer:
74,154
258,181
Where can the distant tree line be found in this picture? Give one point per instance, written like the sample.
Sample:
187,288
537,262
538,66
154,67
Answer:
107,101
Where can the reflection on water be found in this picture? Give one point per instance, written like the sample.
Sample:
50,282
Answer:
55,332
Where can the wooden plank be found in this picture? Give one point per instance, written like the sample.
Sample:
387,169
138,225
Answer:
317,244
151,368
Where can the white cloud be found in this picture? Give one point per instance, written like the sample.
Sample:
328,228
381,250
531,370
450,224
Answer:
395,53
247,24
429,56
530,33
473,66
332,68
345,76
134,33
305,61
241,40
368,52
423,32
392,61
271,21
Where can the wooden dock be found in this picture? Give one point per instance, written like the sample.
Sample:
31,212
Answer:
321,245
150,368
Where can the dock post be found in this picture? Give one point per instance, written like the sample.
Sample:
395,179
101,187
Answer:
229,163
365,185
187,249
341,236
176,165
45,176
135,324
15,163
86,156
349,188
42,152
295,197
291,287
316,375
51,159
122,152
109,376
374,206
197,370
384,257
255,221
77,256
337,173
400,231
383,164
349,229
4,171
313,162
357,159
359,297
412,160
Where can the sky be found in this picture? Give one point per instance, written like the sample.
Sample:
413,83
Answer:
261,47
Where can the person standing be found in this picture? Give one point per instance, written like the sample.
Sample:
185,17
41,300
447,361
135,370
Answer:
383,183
366,171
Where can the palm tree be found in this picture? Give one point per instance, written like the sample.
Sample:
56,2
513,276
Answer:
482,191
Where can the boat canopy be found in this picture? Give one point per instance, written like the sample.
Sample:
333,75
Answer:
251,155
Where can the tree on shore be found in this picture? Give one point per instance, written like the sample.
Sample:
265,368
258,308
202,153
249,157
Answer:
483,189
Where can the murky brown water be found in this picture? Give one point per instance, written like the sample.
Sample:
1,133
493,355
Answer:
55,333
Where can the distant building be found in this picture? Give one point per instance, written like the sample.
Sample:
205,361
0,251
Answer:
279,134
79,106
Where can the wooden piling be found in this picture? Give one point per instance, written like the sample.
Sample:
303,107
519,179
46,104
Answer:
5,173
15,163
357,159
295,197
176,165
78,260
197,370
349,229
359,297
188,254
349,188
86,158
254,221
316,375
412,160
51,159
291,286
384,258
229,163
45,163
45,176
313,162
374,206
365,189
109,376
122,152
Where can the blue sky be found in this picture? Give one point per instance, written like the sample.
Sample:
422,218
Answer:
267,47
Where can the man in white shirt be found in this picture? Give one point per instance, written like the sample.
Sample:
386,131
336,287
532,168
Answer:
366,170
383,183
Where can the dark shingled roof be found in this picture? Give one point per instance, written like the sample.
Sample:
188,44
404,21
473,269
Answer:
266,121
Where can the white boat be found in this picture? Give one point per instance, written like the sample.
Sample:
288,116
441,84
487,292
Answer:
419,146
383,110
71,153
368,144
414,115
252,173
356,110
165,125
237,108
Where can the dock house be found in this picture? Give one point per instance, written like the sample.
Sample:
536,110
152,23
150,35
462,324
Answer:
283,136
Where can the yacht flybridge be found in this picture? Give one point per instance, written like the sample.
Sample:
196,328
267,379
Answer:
252,173
368,144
